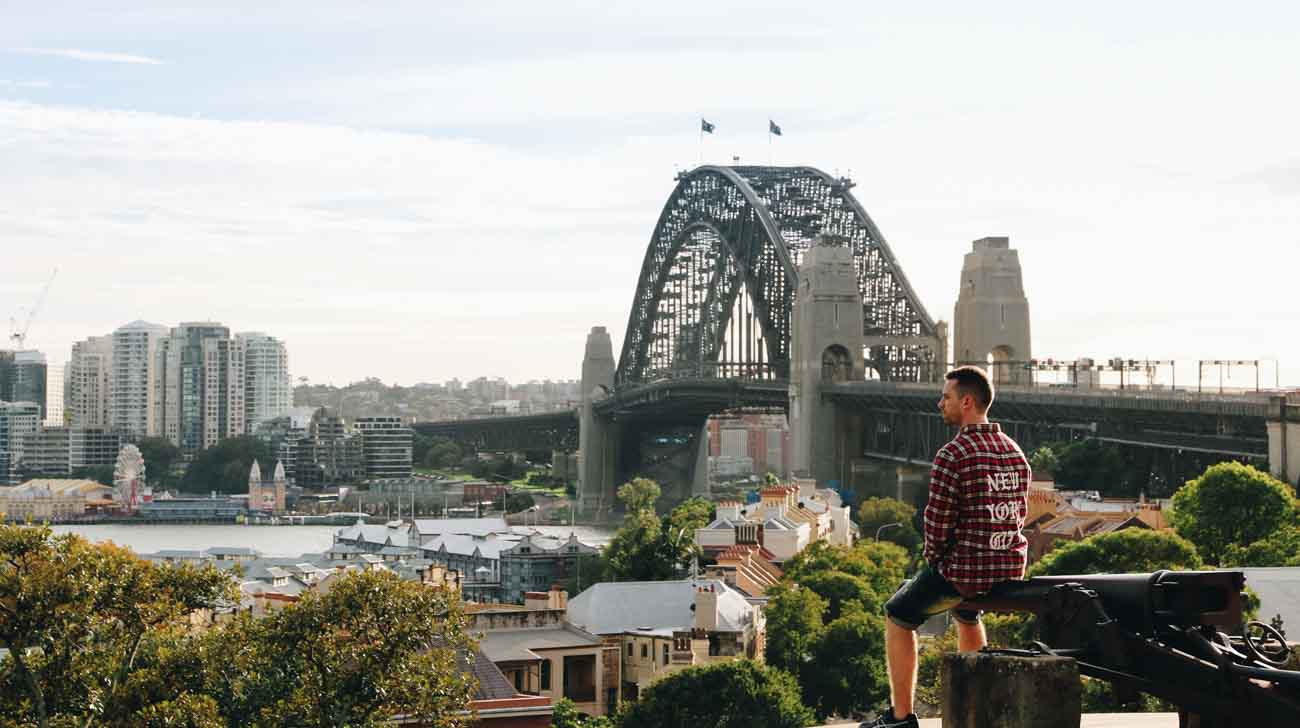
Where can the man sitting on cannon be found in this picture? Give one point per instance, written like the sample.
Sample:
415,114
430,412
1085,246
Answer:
979,487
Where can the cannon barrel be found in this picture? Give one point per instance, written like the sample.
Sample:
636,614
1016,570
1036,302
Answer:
1138,601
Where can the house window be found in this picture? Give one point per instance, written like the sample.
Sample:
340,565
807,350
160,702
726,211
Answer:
519,681
629,649
546,674
665,653
645,652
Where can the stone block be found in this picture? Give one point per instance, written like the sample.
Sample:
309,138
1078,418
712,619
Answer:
983,690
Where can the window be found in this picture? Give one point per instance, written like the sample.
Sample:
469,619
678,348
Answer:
665,653
645,652
546,674
629,649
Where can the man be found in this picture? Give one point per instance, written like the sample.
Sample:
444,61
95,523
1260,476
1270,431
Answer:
979,489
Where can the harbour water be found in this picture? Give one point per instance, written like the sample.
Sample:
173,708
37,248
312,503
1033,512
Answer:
278,541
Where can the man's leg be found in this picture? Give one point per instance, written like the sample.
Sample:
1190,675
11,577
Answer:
971,637
900,656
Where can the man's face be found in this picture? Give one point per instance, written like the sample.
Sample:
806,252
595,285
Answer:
950,403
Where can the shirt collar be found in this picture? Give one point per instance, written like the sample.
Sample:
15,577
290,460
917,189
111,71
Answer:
990,427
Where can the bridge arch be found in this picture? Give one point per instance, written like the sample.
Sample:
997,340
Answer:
727,245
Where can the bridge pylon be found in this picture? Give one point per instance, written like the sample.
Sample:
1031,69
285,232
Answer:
597,437
826,346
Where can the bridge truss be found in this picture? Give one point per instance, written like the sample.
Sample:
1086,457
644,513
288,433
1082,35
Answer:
718,281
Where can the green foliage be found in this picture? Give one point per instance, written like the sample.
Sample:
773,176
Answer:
770,479
1282,548
159,456
100,637
648,547
1092,465
1133,550
1232,505
848,666
823,623
77,617
435,452
224,467
369,648
735,694
874,513
567,715
102,474
1044,460
638,495
516,502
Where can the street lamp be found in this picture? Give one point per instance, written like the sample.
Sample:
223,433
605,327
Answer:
887,525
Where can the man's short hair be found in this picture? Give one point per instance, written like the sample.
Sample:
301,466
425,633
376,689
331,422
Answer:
974,382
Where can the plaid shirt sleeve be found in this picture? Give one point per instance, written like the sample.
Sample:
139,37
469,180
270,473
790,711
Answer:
942,508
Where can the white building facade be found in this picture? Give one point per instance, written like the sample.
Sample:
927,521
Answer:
268,388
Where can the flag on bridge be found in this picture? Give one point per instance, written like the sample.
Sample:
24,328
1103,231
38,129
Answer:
772,128
706,127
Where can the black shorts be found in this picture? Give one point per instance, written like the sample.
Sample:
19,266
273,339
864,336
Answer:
924,596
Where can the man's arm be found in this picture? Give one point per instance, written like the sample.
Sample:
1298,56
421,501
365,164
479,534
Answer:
942,507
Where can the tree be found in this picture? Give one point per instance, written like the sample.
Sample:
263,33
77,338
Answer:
1092,465
735,694
1282,548
76,617
159,455
517,502
224,467
823,624
875,513
567,715
648,547
849,666
1231,505
102,474
1133,550
794,626
1044,460
370,648
639,494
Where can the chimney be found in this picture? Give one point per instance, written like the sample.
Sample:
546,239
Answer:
706,608
558,598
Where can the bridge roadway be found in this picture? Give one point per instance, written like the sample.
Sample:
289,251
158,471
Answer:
900,421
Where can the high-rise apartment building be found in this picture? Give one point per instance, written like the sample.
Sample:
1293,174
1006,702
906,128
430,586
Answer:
23,377
54,414
134,384
87,383
386,444
200,392
268,388
17,420
62,451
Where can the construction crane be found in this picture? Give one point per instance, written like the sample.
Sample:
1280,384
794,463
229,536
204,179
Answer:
19,336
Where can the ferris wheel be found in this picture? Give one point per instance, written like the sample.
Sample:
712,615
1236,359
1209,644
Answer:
128,478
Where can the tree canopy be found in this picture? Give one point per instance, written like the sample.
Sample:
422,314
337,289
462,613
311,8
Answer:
224,466
824,624
76,619
874,514
97,636
159,455
1133,550
735,694
648,546
1092,465
1232,505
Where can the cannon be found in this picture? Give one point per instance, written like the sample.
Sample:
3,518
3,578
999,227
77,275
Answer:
1177,635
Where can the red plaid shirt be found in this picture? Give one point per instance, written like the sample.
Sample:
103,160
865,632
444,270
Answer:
979,494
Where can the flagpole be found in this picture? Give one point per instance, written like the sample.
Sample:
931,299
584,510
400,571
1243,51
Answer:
701,143
769,144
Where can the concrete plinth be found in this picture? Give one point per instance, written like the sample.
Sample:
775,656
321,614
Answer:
983,690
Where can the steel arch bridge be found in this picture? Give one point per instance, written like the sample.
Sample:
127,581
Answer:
718,281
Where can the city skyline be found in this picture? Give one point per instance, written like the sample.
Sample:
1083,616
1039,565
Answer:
472,209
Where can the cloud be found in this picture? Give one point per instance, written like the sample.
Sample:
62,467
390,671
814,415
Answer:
10,83
77,54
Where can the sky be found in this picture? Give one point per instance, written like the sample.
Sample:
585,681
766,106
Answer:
420,191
